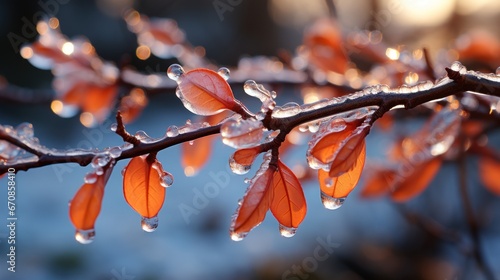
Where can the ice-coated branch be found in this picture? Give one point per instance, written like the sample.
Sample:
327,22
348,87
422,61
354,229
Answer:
458,81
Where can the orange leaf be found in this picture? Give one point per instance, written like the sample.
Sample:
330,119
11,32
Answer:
341,186
288,203
142,186
347,154
196,155
411,185
204,92
324,42
326,147
86,204
378,183
489,171
253,206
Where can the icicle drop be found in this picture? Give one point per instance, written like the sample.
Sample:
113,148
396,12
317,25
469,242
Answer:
331,203
141,135
237,168
175,71
287,231
238,236
172,131
168,180
224,73
114,127
458,67
149,224
85,236
253,89
90,178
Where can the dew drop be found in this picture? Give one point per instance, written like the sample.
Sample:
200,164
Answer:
331,203
149,224
25,130
115,152
224,73
238,236
287,231
85,236
114,127
175,71
172,131
90,178
168,180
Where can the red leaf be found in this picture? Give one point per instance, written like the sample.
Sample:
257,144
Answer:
407,186
241,161
489,171
204,92
253,206
86,204
142,186
340,187
326,147
288,203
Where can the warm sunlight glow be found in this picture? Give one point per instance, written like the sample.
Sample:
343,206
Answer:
422,12
68,48
26,52
189,171
87,119
54,23
392,54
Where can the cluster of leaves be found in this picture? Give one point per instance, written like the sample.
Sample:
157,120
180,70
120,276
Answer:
337,149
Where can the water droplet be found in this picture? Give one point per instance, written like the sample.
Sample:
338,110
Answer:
149,224
457,66
25,130
256,90
90,178
172,131
115,152
175,71
287,231
331,203
224,73
247,180
114,127
85,236
287,110
123,171
237,168
99,171
238,236
168,179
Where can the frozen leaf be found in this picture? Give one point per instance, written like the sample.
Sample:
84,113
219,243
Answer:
288,203
86,204
241,161
143,185
489,171
254,205
242,133
204,92
341,186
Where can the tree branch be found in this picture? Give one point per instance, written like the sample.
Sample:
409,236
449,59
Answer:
374,96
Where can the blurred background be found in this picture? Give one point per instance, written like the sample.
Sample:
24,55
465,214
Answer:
364,239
